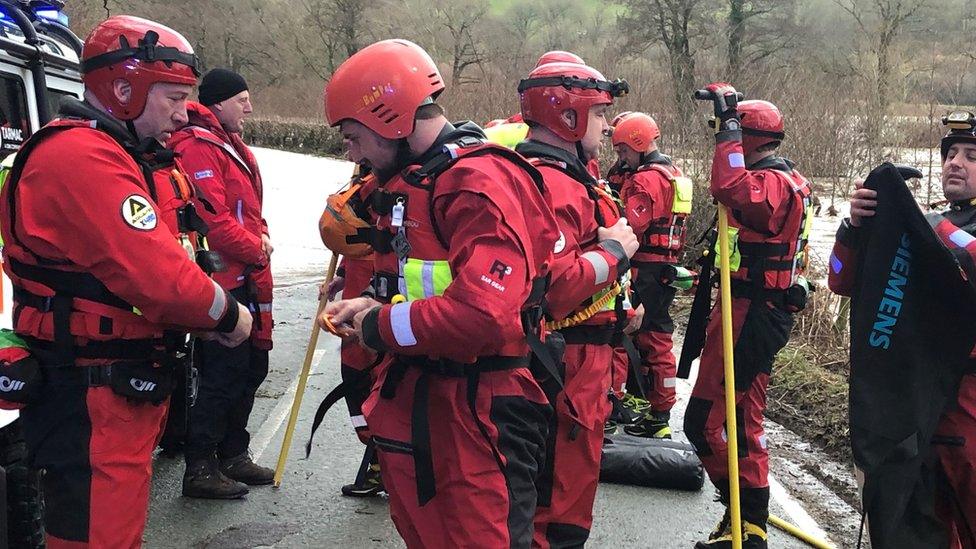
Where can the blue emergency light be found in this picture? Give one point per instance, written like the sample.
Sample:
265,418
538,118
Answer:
53,15
48,13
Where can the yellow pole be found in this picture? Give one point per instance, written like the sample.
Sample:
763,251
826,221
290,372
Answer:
799,534
313,341
725,292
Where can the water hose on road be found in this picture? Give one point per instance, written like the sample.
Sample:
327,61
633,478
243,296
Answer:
799,534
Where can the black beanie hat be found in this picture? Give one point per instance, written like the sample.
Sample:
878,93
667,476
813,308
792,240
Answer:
219,85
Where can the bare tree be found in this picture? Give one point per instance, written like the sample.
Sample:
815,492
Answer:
672,24
756,30
882,21
461,20
333,31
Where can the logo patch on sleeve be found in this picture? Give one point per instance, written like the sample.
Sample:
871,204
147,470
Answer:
203,174
560,244
138,213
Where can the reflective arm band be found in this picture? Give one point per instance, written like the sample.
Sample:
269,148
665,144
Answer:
400,324
601,268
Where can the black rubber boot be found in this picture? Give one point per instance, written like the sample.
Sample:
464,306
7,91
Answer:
242,469
204,480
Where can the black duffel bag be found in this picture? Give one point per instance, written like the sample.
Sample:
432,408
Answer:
651,462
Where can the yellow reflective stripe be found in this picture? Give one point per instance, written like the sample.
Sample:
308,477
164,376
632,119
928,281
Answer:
426,278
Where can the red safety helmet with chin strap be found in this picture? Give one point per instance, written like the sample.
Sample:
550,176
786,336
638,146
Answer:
559,56
140,52
554,88
762,124
637,130
381,86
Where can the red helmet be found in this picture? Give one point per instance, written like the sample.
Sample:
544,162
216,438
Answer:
557,87
142,53
381,86
559,56
616,119
762,124
638,131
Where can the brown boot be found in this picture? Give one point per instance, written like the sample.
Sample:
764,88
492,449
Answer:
242,469
204,480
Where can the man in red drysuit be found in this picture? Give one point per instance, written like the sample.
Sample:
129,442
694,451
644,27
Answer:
657,201
462,248
565,106
98,279
768,203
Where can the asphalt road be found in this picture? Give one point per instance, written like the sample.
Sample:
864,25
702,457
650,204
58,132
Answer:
308,510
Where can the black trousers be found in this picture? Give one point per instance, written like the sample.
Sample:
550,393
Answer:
229,379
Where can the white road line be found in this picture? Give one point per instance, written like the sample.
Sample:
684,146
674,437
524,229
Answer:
796,513
280,412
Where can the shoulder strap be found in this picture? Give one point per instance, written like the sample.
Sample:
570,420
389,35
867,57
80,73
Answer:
667,170
13,179
451,153
211,137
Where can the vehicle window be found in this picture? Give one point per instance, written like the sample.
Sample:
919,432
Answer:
54,98
14,119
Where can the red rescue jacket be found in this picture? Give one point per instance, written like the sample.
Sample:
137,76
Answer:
582,268
92,266
648,197
463,248
769,203
227,174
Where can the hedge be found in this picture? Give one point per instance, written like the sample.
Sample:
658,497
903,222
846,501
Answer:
301,136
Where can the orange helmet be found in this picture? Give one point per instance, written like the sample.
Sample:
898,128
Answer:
556,87
381,86
762,124
638,131
616,119
139,51
343,231
559,56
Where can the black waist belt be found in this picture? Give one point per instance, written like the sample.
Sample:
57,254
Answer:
449,368
589,335
420,413
749,289
92,376
48,352
660,250
63,345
